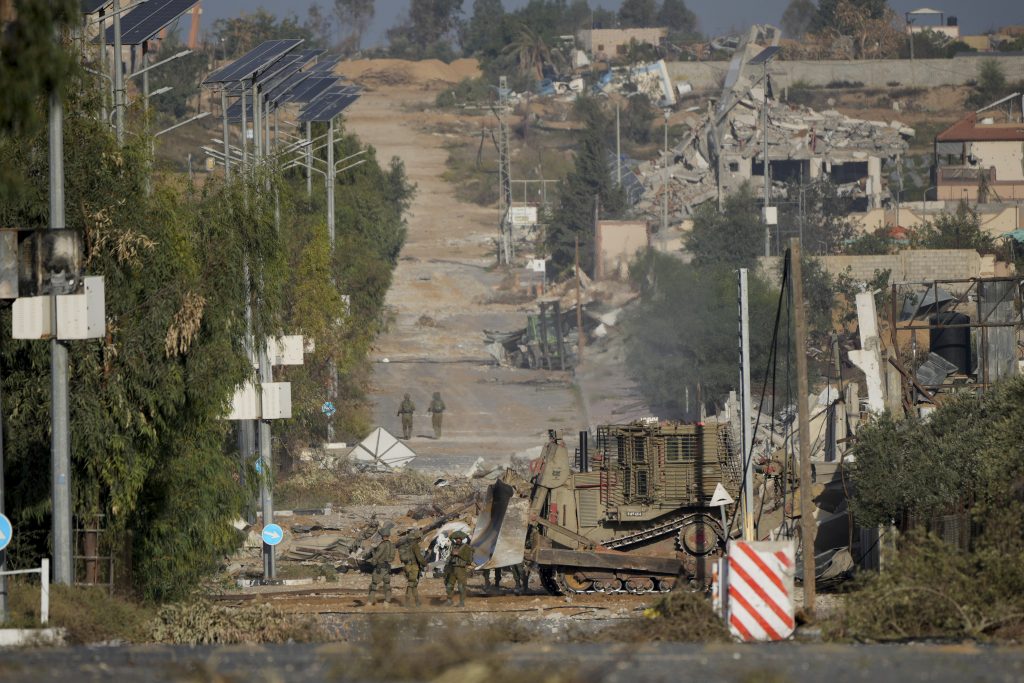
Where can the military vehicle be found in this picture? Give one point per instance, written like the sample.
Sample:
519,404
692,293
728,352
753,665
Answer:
637,518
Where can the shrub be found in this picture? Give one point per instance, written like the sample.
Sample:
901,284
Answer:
87,614
200,622
680,616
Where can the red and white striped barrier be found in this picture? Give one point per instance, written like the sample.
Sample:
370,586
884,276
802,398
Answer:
757,580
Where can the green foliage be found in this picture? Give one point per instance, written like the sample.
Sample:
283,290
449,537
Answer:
485,35
678,18
184,75
992,84
932,591
968,454
732,238
682,334
637,13
355,16
827,17
799,18
428,32
819,215
960,230
636,119
877,241
467,91
589,181
238,35
147,402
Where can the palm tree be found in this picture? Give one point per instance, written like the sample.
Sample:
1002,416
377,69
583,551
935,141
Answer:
531,52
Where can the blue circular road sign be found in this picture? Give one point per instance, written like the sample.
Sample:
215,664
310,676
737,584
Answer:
6,531
272,534
328,408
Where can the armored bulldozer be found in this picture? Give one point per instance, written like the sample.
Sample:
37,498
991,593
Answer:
637,518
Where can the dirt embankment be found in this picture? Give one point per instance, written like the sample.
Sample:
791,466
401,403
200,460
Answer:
404,72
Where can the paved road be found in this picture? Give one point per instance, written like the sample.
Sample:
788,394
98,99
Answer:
609,664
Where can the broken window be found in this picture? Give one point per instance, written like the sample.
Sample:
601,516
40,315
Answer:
734,167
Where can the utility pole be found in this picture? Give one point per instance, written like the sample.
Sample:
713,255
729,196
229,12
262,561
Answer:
60,438
581,338
118,80
808,524
664,196
767,181
332,368
309,160
504,173
226,133
618,147
745,410
245,131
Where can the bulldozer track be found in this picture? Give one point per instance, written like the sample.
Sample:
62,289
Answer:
662,529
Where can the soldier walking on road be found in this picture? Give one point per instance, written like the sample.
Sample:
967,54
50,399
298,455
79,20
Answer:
459,560
412,560
405,411
380,559
436,411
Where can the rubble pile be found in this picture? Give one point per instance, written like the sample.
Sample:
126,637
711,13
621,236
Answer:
721,144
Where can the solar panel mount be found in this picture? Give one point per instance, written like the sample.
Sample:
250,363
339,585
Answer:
253,62
147,19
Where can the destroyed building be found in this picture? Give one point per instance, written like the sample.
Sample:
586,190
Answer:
726,147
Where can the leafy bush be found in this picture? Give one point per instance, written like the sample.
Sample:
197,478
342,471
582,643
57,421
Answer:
201,622
932,591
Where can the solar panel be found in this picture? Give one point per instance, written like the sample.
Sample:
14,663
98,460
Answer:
278,94
326,65
330,104
253,62
311,88
235,111
147,19
764,55
93,6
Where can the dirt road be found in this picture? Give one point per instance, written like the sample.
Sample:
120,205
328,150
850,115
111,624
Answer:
441,298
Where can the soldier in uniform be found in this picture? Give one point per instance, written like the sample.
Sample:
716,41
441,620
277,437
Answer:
521,576
412,560
405,411
459,560
436,411
497,578
380,559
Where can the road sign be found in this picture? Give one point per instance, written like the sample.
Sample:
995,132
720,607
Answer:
758,589
328,409
272,534
720,497
6,531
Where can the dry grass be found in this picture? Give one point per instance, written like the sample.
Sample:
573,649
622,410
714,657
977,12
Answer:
87,615
201,622
348,486
453,654
680,616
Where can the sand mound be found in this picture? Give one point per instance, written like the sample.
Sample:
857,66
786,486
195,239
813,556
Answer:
401,71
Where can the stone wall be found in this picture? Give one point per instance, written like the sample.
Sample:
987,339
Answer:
873,73
911,265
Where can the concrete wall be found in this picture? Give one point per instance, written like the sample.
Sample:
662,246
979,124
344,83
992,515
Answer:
1006,156
616,244
995,220
612,42
907,266
873,73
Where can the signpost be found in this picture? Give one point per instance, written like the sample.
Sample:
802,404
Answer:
272,534
719,499
6,531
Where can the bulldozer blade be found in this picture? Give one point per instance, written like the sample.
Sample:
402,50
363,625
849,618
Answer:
499,537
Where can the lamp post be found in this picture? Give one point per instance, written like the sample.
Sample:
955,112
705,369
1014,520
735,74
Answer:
762,59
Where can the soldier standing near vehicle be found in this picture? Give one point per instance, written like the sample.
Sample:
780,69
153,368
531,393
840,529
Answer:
412,560
521,576
405,411
380,559
459,560
436,411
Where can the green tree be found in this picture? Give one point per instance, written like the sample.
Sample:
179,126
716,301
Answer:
485,35
184,75
589,181
429,30
241,34
960,230
677,17
531,52
733,238
991,85
819,215
682,334
637,117
354,16
799,18
828,16
638,13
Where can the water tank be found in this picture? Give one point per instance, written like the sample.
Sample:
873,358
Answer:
952,343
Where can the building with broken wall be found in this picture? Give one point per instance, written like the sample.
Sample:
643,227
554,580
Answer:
726,148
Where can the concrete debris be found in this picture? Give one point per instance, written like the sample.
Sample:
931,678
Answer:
720,150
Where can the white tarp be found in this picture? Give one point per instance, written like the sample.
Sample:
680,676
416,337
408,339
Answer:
382,451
